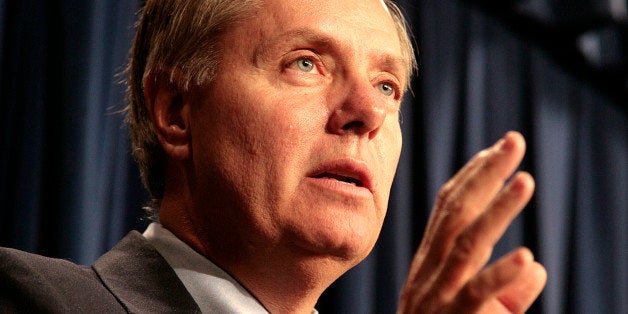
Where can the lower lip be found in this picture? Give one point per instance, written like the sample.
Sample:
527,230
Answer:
341,188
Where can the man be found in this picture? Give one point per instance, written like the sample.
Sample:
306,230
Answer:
268,135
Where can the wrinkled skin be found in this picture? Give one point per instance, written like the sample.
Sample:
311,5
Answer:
471,213
279,170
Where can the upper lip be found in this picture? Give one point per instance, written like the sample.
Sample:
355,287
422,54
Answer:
345,169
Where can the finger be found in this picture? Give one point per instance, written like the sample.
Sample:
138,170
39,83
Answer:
461,203
519,296
473,247
452,185
436,244
477,189
509,272
439,213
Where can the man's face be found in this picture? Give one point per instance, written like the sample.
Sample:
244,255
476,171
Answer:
296,140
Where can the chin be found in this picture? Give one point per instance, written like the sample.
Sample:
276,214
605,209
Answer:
348,240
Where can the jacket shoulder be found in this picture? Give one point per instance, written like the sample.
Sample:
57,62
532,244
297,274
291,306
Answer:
34,283
141,279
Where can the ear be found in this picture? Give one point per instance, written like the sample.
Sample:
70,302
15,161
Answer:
170,114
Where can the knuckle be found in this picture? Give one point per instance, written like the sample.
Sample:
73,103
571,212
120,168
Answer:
460,213
444,193
442,297
490,163
465,247
484,156
470,250
457,206
472,293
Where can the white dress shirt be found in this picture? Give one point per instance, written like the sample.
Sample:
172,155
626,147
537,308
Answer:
212,288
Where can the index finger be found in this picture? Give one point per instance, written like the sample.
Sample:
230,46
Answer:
467,195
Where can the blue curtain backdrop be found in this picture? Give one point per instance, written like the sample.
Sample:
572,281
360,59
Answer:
69,187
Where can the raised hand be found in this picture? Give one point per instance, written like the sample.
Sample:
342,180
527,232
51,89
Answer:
471,213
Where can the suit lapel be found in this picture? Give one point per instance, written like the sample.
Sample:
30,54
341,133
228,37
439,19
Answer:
141,279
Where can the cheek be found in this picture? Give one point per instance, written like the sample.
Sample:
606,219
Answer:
277,139
225,136
293,124
388,153
390,148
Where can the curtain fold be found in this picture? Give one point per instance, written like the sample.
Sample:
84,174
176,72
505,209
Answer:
69,187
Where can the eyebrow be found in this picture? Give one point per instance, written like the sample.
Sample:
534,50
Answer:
383,59
305,35
397,64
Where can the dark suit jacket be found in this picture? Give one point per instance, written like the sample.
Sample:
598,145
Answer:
132,277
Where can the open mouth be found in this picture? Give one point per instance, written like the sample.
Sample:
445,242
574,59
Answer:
341,178
351,176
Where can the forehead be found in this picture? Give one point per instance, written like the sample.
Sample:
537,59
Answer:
360,14
356,9
364,24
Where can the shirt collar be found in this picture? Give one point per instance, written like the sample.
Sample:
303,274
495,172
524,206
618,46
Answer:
212,288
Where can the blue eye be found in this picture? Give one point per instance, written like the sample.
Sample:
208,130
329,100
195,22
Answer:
386,89
305,64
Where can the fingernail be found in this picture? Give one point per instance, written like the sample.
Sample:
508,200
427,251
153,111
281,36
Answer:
503,144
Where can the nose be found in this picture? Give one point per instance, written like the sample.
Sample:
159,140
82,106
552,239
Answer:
360,111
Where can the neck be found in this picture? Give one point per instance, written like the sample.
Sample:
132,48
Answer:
287,284
282,278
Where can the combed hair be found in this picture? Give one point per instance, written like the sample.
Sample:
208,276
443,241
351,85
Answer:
173,37
405,36
181,39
